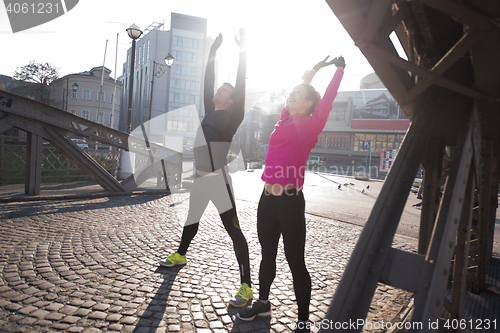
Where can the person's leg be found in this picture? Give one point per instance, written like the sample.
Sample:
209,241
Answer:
269,232
223,198
240,246
231,223
188,234
293,228
198,201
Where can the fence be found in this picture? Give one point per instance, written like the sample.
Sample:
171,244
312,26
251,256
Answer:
56,168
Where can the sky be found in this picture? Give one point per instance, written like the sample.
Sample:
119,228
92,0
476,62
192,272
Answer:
284,38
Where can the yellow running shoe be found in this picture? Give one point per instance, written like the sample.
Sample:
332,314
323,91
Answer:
242,296
173,260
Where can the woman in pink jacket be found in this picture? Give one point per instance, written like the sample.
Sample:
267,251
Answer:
281,208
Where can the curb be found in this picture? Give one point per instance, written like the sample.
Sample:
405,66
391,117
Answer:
81,196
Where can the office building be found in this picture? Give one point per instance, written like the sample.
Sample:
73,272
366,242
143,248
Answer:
177,90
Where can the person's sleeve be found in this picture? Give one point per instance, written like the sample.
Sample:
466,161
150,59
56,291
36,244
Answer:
238,107
322,111
308,76
208,90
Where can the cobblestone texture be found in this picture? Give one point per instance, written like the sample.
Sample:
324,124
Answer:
92,265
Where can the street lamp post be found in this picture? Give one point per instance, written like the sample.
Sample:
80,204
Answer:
128,159
74,88
169,61
133,32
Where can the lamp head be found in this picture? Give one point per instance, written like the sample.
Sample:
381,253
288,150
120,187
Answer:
169,60
134,32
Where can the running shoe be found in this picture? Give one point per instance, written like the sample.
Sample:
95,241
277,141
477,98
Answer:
173,260
242,296
258,309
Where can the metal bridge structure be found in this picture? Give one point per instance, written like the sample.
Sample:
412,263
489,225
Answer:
40,120
449,85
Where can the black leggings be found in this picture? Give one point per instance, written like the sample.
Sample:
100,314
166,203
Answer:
284,215
232,226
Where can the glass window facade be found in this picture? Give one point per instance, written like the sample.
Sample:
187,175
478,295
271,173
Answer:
334,141
339,111
378,141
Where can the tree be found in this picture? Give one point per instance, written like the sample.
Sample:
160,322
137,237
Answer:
34,79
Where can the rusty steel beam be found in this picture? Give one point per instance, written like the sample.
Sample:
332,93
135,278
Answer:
397,80
382,55
453,49
33,174
460,12
378,12
468,40
429,299
432,165
62,120
366,265
454,305
69,149
54,125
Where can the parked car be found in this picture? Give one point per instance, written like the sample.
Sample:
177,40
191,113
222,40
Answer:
187,153
81,143
254,163
316,161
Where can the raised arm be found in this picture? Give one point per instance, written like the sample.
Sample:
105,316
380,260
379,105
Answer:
209,89
238,107
322,111
309,74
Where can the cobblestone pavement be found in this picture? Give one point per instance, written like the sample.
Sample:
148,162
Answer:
91,265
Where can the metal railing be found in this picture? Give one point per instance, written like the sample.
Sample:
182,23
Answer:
56,168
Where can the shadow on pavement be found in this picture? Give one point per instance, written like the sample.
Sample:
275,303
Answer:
153,315
258,325
37,208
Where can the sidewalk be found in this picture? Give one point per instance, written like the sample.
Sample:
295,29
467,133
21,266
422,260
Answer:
75,190
89,263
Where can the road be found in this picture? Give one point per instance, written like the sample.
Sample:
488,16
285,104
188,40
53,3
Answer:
347,204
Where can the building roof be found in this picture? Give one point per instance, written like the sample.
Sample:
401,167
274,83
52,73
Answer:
95,71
